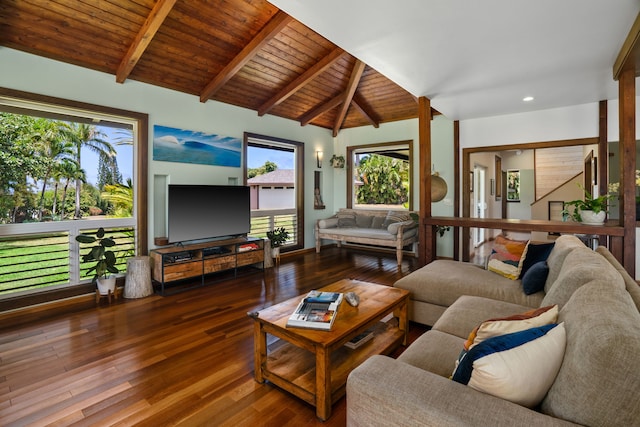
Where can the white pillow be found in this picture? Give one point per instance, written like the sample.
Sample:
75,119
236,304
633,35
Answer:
519,367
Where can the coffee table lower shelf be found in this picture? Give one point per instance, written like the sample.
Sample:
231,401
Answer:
293,368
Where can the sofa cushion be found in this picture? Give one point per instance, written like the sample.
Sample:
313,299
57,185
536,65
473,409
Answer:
519,367
563,247
378,222
580,266
441,282
514,323
533,254
433,351
599,379
506,256
632,286
469,311
534,279
393,228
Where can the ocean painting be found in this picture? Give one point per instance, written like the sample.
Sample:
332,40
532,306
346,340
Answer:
185,146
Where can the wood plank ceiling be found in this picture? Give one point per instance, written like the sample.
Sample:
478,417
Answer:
241,52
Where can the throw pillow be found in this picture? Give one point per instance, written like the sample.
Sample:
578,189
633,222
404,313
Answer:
377,222
506,256
364,221
346,219
395,216
518,367
516,323
534,279
534,253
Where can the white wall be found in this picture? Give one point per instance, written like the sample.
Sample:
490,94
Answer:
30,73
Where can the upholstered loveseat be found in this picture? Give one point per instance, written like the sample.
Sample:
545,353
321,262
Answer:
395,229
588,369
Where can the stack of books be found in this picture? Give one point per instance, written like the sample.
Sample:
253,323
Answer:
316,311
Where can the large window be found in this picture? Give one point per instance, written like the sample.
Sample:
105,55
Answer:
66,168
274,173
381,176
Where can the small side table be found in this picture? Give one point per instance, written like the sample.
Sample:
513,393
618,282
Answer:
137,283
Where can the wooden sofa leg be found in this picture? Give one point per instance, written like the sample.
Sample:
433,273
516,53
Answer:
318,242
399,255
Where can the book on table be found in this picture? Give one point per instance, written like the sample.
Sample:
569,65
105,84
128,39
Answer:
317,310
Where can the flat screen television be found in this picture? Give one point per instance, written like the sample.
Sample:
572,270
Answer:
198,212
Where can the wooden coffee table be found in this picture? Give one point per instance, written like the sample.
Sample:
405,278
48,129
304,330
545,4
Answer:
314,365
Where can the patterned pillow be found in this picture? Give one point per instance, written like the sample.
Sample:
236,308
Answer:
534,279
534,253
518,367
346,219
505,325
395,216
506,257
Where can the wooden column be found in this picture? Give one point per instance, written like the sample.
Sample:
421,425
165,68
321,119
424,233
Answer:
427,238
627,92
456,188
603,157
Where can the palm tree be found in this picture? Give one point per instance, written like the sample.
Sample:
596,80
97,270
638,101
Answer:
121,196
68,171
84,135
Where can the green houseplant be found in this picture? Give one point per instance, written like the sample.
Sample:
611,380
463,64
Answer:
337,161
582,209
105,259
277,237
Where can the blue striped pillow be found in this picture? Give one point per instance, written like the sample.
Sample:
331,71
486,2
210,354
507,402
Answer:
519,367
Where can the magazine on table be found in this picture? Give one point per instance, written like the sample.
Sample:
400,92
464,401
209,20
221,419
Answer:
316,311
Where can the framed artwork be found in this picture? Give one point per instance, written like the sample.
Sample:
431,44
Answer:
513,185
498,177
187,146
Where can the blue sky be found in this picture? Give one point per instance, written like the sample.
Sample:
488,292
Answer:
258,156
89,160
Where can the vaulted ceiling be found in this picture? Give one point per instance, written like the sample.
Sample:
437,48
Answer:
246,53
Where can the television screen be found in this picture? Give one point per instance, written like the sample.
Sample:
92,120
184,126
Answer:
207,211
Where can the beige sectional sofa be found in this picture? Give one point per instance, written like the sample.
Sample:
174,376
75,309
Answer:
597,379
371,227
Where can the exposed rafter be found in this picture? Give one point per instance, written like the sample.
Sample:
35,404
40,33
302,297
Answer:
356,74
273,27
321,109
143,38
366,111
295,85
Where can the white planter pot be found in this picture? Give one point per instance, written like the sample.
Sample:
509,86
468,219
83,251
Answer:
106,285
590,218
275,252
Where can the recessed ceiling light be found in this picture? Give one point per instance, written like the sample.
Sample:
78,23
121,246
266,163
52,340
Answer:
527,98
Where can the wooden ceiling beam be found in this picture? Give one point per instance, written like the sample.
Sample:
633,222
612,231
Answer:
143,38
269,31
302,80
321,109
366,111
354,80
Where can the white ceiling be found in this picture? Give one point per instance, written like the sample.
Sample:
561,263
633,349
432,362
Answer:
476,58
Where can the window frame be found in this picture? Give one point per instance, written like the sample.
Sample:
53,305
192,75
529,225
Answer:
140,172
381,146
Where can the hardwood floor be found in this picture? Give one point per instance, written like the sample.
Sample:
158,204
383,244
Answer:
184,359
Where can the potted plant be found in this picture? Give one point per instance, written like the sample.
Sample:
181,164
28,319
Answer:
337,161
277,237
591,210
105,260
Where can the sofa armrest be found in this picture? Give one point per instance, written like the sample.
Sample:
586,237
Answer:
402,225
328,222
383,391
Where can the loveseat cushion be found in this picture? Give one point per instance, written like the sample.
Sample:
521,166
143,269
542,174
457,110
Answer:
599,379
632,286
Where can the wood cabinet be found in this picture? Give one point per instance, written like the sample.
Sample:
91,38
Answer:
198,260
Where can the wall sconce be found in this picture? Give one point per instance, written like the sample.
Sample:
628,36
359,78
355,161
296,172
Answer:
319,158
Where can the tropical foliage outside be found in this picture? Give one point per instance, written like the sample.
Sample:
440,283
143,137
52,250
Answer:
41,175
384,180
